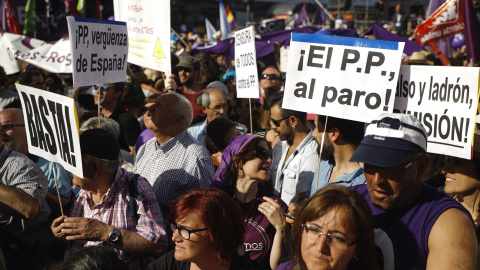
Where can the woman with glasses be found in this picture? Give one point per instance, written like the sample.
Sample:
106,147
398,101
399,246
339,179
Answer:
333,229
207,231
245,169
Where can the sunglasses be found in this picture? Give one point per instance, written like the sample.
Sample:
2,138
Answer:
102,87
184,69
10,126
262,153
277,122
144,109
271,76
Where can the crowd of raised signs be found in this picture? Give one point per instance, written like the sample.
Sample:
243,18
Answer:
179,173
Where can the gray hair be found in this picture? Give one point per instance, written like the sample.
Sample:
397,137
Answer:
105,123
110,166
206,96
183,107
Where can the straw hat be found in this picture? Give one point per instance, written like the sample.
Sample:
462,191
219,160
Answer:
417,58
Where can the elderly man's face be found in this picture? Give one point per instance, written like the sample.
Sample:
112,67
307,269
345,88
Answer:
397,187
14,136
160,112
218,107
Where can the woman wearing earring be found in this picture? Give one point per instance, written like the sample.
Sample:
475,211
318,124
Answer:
246,164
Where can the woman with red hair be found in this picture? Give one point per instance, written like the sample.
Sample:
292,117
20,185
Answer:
207,230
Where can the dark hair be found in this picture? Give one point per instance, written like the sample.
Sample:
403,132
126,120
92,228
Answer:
58,84
217,131
209,69
220,214
277,100
352,131
25,78
358,219
274,67
239,159
3,77
92,258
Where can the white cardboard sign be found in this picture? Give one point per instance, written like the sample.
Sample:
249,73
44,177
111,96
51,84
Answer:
15,46
51,126
246,64
55,57
148,31
445,100
350,78
99,49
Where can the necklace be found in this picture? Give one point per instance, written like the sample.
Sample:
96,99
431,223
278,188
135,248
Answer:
249,211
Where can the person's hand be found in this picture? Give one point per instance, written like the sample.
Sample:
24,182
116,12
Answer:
57,227
76,228
273,211
170,84
292,207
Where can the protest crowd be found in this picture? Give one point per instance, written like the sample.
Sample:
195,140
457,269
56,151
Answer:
181,173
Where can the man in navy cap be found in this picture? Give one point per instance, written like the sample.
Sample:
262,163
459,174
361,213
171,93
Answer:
417,227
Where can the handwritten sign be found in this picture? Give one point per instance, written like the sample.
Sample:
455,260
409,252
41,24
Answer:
349,78
99,49
148,31
246,64
51,126
445,100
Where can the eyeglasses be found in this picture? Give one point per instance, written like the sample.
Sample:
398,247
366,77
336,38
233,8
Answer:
372,169
102,87
144,109
334,239
277,122
262,153
184,69
219,107
184,232
270,76
10,126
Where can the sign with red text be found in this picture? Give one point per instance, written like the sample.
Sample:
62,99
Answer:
246,64
51,126
445,100
55,57
99,50
349,78
148,24
447,20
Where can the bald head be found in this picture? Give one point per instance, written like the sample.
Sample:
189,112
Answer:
15,137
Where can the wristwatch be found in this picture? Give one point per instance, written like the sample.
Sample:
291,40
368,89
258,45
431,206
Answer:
114,236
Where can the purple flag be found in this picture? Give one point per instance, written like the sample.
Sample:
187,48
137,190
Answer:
302,17
380,33
317,18
472,35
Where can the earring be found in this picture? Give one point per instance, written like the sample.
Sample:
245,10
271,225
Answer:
293,127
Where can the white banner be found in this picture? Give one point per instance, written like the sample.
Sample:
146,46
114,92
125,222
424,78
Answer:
16,46
52,128
246,64
445,100
350,78
148,31
55,57
99,49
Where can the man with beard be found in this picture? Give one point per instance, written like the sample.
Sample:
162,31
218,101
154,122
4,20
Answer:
189,72
342,138
271,82
295,157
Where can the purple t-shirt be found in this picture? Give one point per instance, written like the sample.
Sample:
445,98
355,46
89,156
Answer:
286,265
402,235
258,238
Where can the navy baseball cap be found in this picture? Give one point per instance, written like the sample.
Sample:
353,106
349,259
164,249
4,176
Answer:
390,139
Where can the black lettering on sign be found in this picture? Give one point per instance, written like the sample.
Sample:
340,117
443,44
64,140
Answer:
30,121
41,136
49,136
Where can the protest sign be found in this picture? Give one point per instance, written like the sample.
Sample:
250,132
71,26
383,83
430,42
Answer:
445,100
99,50
51,126
246,64
343,77
148,31
55,57
15,46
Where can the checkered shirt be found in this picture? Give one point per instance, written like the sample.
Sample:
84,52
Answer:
18,171
114,210
174,167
